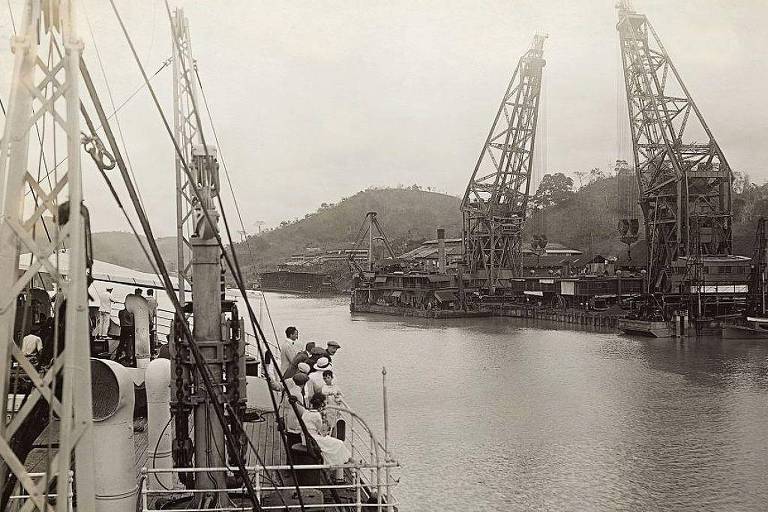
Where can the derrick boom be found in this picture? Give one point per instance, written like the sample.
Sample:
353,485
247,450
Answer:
495,202
683,178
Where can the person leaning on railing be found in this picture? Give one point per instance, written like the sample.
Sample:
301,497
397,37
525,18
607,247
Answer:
334,451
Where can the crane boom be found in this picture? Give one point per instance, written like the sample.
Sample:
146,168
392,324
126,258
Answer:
495,202
683,178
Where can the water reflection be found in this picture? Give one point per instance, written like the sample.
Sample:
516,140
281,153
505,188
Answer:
499,414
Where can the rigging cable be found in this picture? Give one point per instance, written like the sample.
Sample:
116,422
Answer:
233,262
234,197
165,64
112,102
168,285
236,275
115,195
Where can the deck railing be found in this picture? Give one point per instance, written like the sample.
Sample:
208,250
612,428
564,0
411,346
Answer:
356,494
18,498
369,479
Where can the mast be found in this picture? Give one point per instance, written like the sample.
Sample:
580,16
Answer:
45,88
683,178
495,201
219,337
187,135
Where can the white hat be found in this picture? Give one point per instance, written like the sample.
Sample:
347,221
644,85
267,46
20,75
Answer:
322,363
303,367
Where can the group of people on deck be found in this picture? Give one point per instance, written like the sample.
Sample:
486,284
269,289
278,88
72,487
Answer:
310,386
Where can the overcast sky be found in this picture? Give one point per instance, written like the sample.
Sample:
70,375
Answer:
314,101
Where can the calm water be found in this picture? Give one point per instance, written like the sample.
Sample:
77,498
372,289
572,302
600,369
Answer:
497,414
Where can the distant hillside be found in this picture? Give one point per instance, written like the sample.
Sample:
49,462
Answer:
408,217
587,221
123,249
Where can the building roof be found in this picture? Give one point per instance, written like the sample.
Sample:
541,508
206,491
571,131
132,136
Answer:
429,251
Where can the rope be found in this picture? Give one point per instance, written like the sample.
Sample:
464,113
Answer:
168,285
234,197
236,275
112,102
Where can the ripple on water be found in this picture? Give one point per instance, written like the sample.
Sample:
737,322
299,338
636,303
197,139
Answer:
494,414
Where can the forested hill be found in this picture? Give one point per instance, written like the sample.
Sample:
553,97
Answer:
583,219
587,218
408,216
120,248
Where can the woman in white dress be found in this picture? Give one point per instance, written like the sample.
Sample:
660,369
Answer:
333,450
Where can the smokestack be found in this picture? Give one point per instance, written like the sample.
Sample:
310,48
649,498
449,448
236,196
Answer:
441,262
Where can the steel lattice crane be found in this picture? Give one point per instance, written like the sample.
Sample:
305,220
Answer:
495,202
683,178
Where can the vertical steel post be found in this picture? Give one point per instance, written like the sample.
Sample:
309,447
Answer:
209,436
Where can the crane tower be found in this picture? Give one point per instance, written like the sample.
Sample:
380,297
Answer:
495,202
683,178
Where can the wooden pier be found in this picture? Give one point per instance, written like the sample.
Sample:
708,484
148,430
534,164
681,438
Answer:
595,319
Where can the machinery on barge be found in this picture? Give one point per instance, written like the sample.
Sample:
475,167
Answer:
684,188
679,177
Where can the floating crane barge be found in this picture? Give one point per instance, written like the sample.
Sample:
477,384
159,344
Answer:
679,177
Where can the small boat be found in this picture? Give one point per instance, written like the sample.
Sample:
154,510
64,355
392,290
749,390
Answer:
749,328
651,328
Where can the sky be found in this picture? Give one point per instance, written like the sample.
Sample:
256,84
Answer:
315,101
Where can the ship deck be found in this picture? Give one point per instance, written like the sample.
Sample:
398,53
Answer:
263,436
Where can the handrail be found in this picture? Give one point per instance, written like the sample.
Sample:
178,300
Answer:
70,491
260,475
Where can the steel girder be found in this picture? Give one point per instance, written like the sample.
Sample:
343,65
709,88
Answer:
495,201
683,178
45,96
187,136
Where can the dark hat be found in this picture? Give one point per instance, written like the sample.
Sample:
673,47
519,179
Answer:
309,346
317,351
333,344
300,379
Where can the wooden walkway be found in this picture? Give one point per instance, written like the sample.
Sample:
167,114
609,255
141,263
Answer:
266,439
263,435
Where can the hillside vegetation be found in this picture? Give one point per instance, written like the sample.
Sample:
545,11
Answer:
407,216
584,219
123,249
